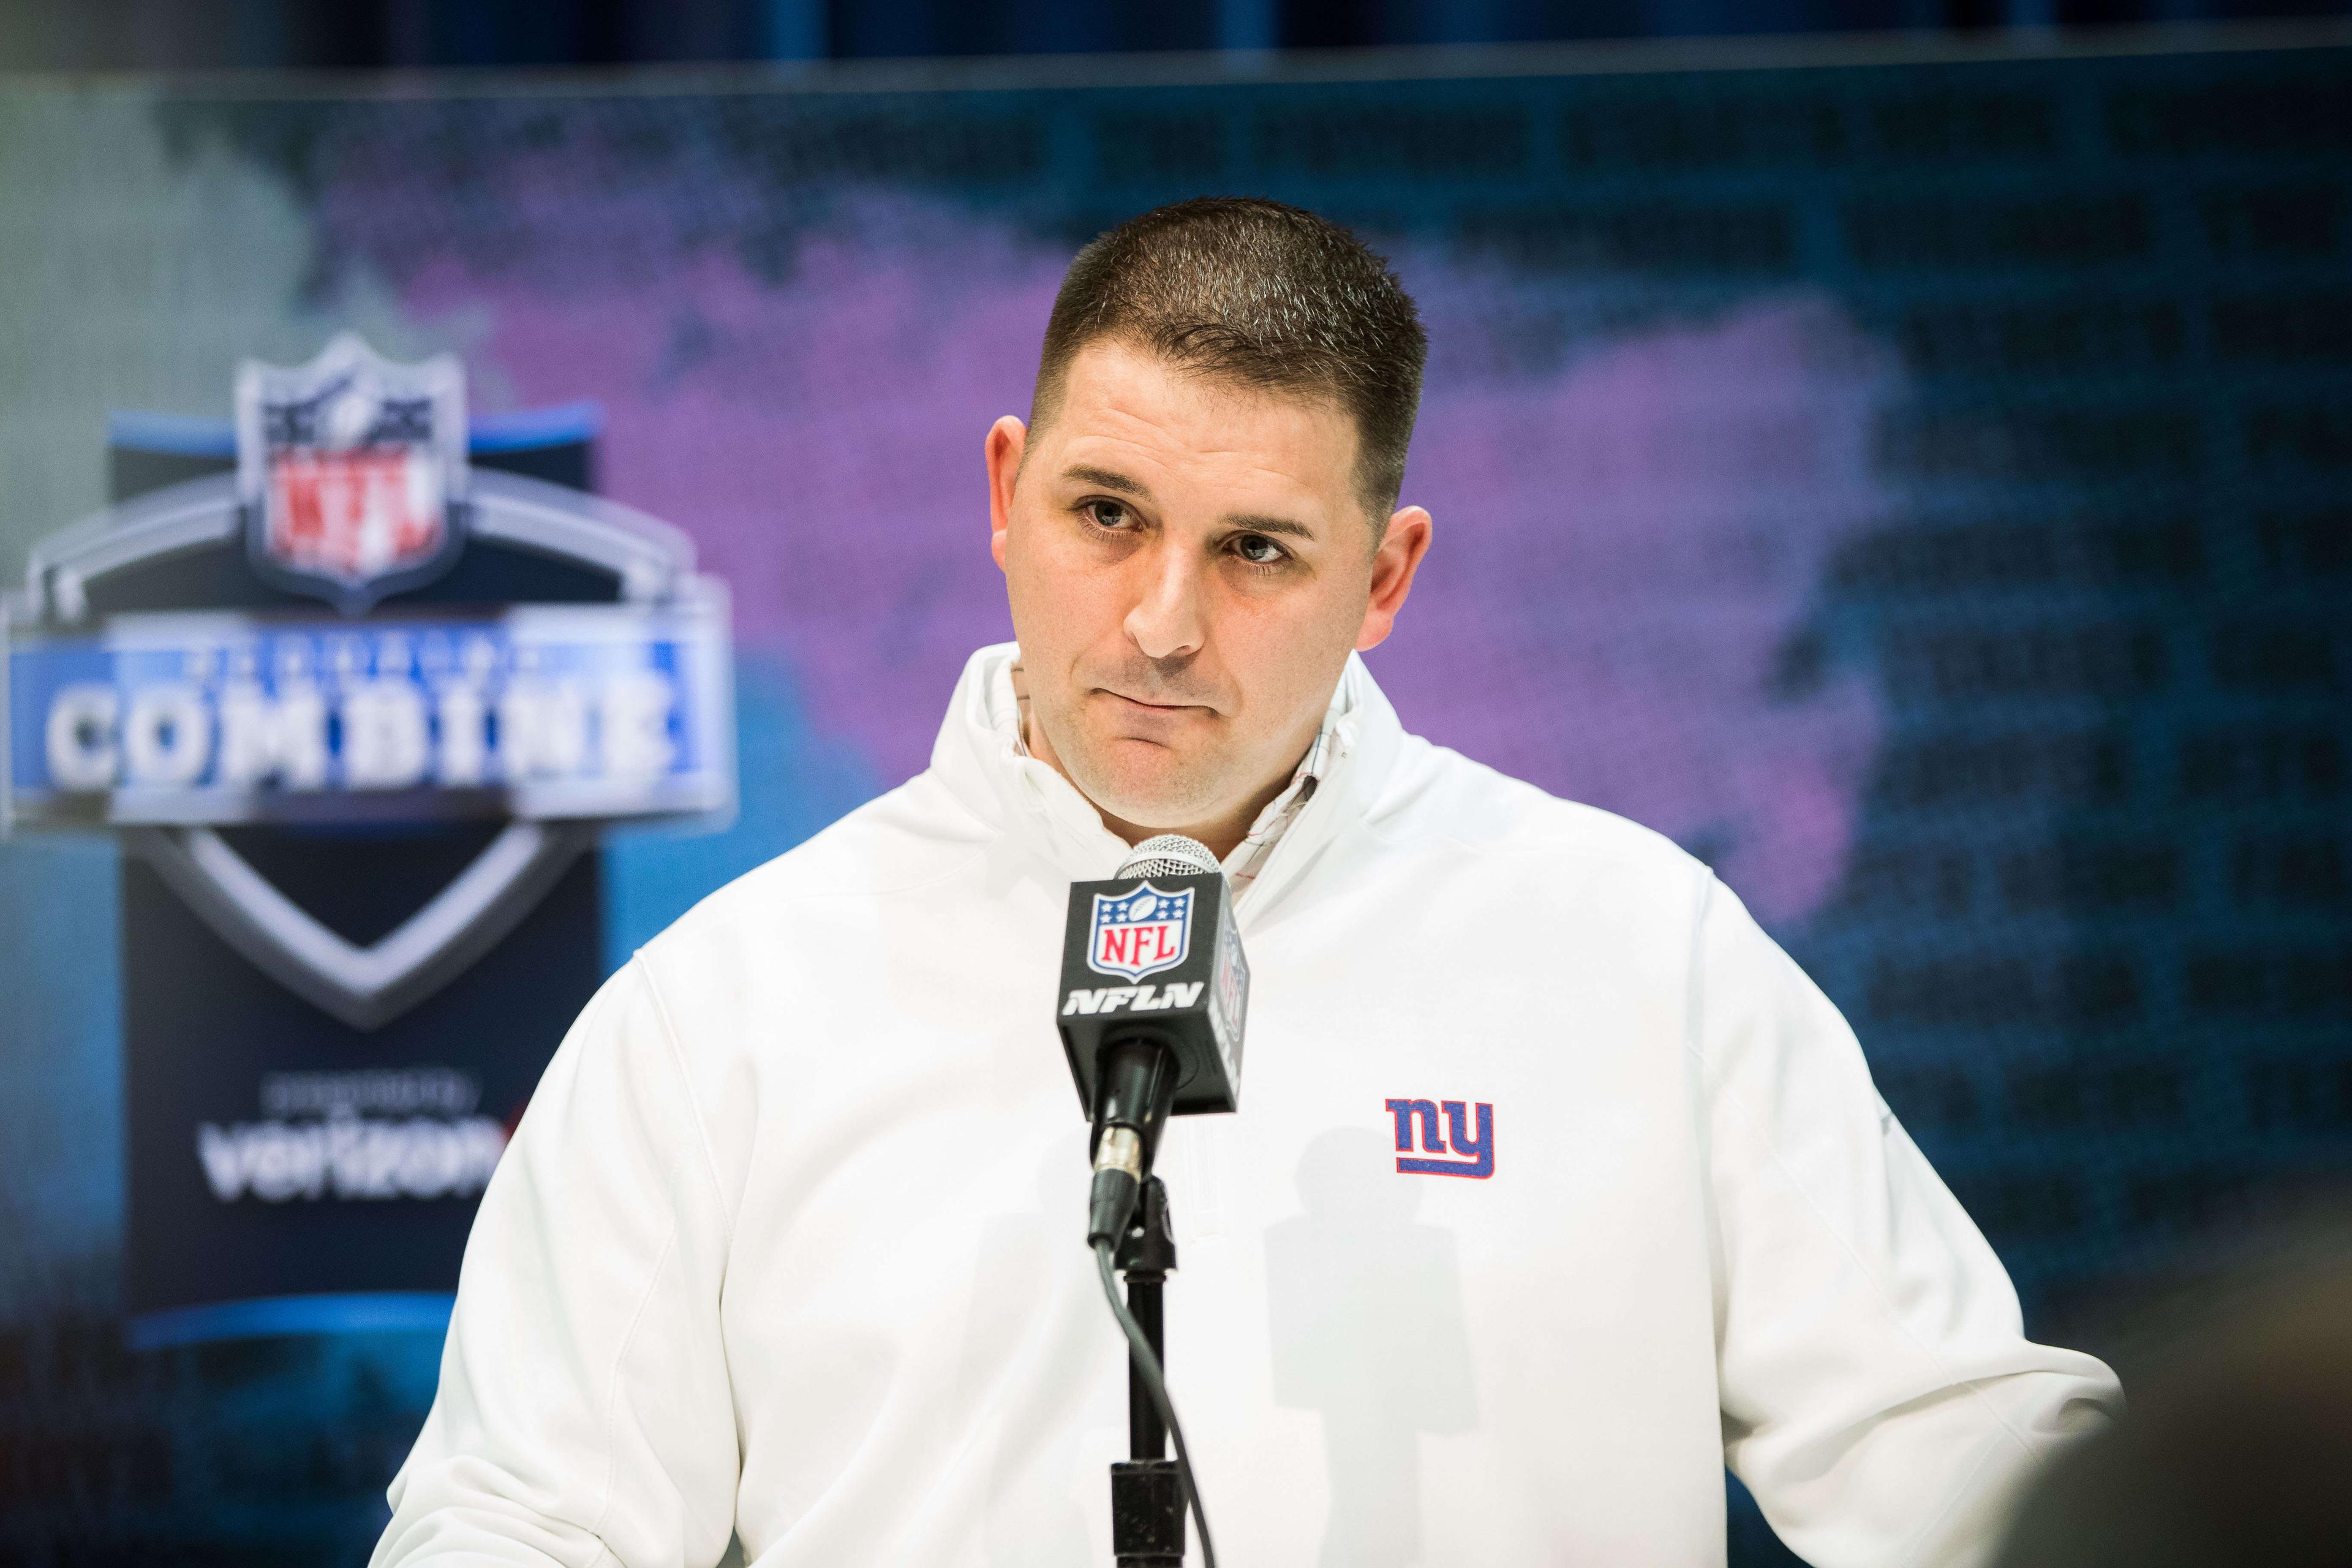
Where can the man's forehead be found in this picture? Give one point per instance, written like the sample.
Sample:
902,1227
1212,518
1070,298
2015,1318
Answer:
1114,377
1144,421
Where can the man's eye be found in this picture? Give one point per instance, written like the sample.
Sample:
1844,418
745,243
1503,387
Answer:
1108,514
1258,550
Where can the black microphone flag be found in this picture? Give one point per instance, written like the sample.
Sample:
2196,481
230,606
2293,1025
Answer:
1154,955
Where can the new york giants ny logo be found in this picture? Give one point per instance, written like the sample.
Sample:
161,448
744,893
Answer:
1420,1115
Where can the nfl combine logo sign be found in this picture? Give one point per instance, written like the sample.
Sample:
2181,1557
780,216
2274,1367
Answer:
1141,933
380,804
180,724
351,472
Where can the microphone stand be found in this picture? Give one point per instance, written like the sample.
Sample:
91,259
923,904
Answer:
1146,1496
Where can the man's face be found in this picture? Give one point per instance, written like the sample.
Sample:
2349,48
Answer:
1189,562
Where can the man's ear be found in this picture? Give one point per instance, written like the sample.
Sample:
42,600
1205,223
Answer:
1393,564
1007,440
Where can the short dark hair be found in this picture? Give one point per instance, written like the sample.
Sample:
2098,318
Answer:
1260,293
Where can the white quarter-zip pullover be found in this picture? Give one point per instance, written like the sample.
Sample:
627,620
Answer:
1556,1186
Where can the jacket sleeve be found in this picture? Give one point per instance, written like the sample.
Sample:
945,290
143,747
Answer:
584,1415
1879,1396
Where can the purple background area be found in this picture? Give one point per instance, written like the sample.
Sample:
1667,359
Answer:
1630,531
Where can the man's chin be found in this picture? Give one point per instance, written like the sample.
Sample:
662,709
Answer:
1143,789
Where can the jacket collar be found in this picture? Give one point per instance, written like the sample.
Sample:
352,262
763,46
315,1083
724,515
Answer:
979,758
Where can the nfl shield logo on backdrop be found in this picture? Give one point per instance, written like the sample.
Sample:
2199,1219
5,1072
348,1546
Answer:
1141,933
352,471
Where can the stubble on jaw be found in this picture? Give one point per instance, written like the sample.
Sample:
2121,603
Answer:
1188,794
1188,799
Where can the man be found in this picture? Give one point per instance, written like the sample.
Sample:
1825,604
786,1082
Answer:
790,1242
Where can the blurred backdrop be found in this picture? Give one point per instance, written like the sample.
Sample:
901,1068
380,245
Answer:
181,35
1915,473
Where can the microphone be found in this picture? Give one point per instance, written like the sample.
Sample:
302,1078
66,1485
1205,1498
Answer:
1166,1042
1154,990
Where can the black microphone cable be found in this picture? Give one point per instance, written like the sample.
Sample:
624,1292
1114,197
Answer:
1154,1380
1138,1069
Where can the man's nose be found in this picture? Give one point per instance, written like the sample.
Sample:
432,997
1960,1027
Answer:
1166,621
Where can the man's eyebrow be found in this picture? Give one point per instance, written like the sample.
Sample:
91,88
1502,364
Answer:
1270,525
1109,480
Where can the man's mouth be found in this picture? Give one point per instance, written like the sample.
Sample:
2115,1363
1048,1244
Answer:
1148,706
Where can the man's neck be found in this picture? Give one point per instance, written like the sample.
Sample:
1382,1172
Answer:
1221,835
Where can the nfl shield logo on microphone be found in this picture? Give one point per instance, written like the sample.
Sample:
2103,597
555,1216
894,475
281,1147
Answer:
1139,932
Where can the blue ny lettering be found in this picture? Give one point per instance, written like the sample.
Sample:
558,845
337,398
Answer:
1421,1116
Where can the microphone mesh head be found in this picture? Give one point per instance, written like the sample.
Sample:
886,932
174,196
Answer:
1169,855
